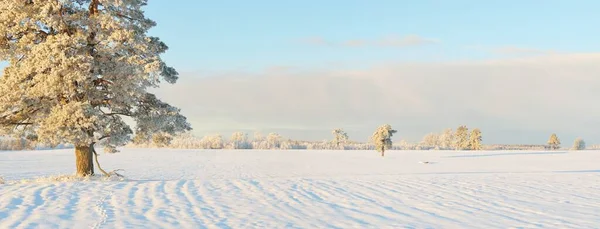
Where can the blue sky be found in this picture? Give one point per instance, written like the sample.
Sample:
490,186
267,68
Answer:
254,35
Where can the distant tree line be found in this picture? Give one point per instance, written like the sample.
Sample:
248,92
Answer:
460,139
17,144
554,143
240,140
381,140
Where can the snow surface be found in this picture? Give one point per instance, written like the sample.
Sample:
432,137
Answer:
304,189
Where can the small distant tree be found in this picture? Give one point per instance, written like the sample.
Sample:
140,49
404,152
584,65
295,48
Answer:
554,142
579,144
212,142
431,140
186,140
461,138
339,137
447,139
161,140
274,140
475,139
239,140
406,145
3,144
259,141
18,144
382,138
258,137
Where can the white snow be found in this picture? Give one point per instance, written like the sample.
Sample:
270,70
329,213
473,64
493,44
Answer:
304,189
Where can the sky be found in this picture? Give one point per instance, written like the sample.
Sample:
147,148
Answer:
518,70
226,36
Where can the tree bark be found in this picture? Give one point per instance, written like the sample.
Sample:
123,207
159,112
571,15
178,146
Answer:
84,161
382,147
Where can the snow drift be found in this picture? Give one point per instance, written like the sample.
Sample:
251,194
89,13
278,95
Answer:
304,189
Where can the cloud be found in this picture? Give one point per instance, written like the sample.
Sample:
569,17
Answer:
516,100
389,41
514,50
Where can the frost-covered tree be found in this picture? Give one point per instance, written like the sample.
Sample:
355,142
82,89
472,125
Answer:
212,142
554,142
76,68
258,137
431,140
239,140
447,139
475,140
461,138
382,138
579,144
339,137
185,140
161,140
274,140
405,145
4,144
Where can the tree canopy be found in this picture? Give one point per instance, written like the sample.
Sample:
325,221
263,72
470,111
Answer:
76,68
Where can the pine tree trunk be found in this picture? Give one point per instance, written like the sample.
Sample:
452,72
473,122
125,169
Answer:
84,161
382,147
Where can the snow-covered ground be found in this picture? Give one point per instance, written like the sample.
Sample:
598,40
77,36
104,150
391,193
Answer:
305,189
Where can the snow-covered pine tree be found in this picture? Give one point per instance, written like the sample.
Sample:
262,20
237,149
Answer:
382,138
475,139
579,144
339,137
75,68
461,138
554,142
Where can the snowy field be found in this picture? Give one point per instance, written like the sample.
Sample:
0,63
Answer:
305,189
